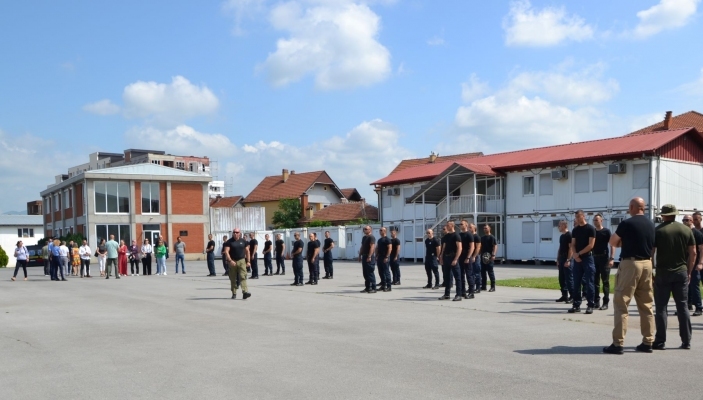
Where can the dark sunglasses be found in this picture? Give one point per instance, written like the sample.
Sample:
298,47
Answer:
686,219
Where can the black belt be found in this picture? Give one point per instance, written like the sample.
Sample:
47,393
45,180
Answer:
449,254
635,258
590,253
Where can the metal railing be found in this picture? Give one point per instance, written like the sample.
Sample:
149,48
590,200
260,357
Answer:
465,205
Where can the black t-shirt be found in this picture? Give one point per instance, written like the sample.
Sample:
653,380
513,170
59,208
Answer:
382,246
488,243
431,247
394,247
466,240
637,235
298,244
581,235
254,252
237,248
328,243
477,241
366,243
211,244
698,237
267,246
279,246
312,245
450,241
602,240
564,244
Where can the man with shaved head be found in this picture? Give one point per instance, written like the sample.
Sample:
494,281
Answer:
635,236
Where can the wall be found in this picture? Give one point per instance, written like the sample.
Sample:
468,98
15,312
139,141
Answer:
9,238
195,241
187,198
318,195
270,207
681,185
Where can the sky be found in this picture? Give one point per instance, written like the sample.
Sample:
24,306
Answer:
348,86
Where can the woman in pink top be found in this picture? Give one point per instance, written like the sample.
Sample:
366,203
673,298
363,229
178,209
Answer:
122,258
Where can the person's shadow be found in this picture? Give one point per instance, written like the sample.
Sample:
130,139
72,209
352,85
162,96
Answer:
563,350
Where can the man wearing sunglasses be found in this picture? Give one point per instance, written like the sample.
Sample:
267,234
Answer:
236,250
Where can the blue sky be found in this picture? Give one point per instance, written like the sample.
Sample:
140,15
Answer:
350,86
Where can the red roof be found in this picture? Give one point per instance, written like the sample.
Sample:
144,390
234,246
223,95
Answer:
345,212
351,194
691,118
603,149
414,162
272,188
225,202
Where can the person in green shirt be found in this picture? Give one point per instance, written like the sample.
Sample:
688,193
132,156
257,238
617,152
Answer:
112,246
675,255
160,250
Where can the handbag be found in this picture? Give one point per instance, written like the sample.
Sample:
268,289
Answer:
96,253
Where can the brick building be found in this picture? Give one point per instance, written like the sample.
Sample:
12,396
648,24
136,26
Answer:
132,202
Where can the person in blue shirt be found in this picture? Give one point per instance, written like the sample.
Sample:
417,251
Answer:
54,248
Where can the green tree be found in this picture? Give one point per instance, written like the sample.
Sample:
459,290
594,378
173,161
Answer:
288,213
4,259
313,224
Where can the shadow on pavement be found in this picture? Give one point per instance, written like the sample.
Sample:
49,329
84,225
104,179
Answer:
563,350
210,298
545,310
531,301
420,299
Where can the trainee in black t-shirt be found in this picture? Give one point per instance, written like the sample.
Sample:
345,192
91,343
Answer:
450,241
237,248
564,244
698,237
279,246
466,240
477,241
312,245
252,247
210,245
637,235
366,243
581,234
382,246
394,248
267,246
488,243
328,243
602,240
298,244
431,247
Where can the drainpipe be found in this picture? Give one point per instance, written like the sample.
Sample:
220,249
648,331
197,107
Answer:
380,205
651,191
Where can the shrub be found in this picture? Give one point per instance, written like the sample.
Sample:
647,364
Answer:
4,259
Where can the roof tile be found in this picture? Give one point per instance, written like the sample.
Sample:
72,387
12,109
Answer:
344,212
272,188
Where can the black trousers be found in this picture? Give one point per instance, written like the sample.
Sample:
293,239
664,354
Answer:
432,267
602,274
665,285
298,269
384,272
452,272
85,267
268,265
280,263
327,261
395,269
467,277
210,263
487,269
368,267
225,265
255,266
311,270
146,264
47,267
23,264
132,264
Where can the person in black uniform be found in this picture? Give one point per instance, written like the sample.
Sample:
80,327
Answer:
210,250
317,258
476,258
280,256
583,238
395,257
489,246
225,264
383,253
694,287
432,248
313,251
254,251
238,257
566,277
450,253
297,255
603,259
327,256
366,256
467,270
268,265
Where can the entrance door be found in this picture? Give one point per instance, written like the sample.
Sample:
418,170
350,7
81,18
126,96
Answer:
153,237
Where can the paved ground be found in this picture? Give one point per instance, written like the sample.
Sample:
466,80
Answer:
181,337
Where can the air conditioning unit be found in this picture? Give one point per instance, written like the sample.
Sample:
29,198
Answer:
616,220
617,168
560,174
396,191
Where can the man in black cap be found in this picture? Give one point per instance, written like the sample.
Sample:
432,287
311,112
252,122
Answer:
675,252
583,237
603,258
367,258
432,248
694,287
450,253
564,256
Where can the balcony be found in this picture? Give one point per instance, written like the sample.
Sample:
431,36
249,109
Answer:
462,205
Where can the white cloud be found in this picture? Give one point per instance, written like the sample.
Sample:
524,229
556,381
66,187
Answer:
182,140
533,109
336,41
473,89
524,26
102,107
240,10
694,88
668,14
436,41
168,102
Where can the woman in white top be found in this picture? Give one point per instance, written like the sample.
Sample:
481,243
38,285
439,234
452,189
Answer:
63,254
84,252
102,256
22,256
146,261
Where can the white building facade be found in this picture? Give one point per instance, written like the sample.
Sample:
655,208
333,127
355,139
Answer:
13,228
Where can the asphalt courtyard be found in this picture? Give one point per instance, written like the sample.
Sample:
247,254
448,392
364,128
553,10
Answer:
181,337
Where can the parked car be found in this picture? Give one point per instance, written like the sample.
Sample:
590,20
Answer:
35,257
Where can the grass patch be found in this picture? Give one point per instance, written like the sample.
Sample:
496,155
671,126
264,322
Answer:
546,282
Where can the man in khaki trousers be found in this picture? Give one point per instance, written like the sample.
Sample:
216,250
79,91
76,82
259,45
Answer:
635,236
236,251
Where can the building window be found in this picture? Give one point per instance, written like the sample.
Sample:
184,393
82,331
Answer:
528,232
155,162
546,185
150,198
528,185
640,176
581,181
67,199
600,179
112,197
121,232
56,202
193,167
546,230
47,205
181,165
25,232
